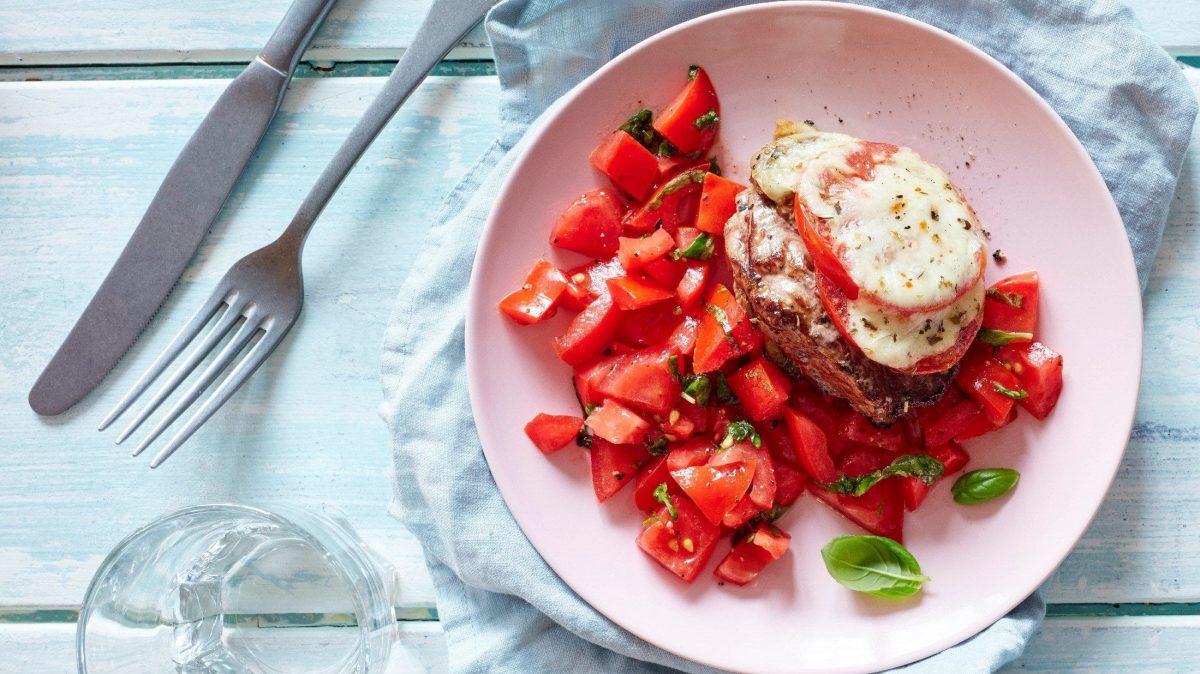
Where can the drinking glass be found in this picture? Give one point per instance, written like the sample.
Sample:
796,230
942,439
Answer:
234,589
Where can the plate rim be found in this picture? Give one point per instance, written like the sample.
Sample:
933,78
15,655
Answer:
534,135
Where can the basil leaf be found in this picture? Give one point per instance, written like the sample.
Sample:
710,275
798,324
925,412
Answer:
1009,393
725,395
1002,337
693,70
661,495
694,176
706,121
658,447
738,431
980,486
1011,299
696,389
921,466
641,127
701,248
673,368
874,565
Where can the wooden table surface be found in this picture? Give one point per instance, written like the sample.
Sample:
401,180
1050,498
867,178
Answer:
96,99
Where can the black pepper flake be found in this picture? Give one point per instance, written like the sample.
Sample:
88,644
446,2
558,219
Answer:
933,339
933,214
999,256
869,325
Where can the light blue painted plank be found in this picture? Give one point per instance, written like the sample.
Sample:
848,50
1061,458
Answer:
80,161
150,31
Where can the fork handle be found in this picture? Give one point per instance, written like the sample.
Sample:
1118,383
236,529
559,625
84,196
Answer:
295,31
447,22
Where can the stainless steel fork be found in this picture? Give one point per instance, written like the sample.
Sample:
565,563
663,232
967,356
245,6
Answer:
260,297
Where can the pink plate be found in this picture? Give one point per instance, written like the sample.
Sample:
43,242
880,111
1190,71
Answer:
883,77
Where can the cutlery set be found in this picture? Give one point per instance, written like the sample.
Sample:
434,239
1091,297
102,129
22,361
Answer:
260,297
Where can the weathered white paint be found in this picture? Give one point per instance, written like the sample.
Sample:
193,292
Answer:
1159,645
74,32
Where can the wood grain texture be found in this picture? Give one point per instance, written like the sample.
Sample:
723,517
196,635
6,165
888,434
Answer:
1078,645
50,649
80,161
57,32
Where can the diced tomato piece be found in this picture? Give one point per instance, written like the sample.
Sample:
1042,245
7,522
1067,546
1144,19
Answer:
669,167
743,563
982,376
715,489
683,339
1040,371
614,465
1012,304
762,487
683,121
712,348
648,480
590,332
691,286
789,483
820,411
631,167
672,205
880,511
586,283
811,448
617,424
952,456
762,388
945,428
914,491
694,452
650,326
552,432
982,424
537,299
636,253
682,545
681,427
630,293
927,414
823,257
590,225
685,236
643,380
665,272
717,203
743,511
862,460
857,428
772,539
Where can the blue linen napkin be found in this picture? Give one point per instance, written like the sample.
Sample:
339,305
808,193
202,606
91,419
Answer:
501,607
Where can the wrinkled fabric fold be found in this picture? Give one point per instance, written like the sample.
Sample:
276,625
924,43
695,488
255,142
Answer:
501,607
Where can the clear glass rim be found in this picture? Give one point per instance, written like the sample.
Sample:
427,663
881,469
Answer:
330,538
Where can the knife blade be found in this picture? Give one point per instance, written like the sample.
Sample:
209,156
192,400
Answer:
180,215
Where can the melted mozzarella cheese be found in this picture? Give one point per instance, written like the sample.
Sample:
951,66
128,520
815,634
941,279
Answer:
901,341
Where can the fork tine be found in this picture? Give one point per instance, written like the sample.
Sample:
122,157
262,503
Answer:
237,376
210,341
210,374
185,335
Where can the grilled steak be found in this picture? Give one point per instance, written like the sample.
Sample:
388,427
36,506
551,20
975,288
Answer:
774,281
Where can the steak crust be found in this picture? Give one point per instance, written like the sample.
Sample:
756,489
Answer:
774,281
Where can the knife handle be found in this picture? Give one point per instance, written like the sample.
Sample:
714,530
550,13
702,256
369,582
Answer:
295,31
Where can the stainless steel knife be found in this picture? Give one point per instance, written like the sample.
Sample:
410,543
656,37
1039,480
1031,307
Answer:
183,210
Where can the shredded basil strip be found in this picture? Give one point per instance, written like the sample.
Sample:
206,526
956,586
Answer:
658,447
979,486
713,167
641,128
706,121
923,467
1002,337
696,389
722,319
584,437
701,248
693,70
694,176
873,565
1018,394
1011,299
673,368
661,495
738,431
725,395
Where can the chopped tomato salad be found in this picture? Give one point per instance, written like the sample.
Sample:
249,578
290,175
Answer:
682,396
